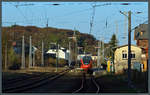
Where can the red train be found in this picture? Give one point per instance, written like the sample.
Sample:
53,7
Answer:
86,64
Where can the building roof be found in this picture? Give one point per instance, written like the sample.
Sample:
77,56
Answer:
141,32
126,45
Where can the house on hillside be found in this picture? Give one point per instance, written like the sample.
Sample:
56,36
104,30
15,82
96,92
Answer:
141,37
121,57
18,48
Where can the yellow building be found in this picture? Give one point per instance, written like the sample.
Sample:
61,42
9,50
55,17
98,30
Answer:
121,57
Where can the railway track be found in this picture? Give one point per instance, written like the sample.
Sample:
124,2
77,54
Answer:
21,78
33,82
88,85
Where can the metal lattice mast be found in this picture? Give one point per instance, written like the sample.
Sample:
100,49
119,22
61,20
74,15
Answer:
92,19
30,53
23,54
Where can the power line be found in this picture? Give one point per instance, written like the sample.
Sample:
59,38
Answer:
138,25
139,16
20,11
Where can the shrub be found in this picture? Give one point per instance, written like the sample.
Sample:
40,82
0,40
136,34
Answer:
62,62
13,60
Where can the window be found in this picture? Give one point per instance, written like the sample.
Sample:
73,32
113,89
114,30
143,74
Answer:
124,54
141,33
87,59
133,55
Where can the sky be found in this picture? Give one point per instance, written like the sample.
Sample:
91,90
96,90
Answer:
77,15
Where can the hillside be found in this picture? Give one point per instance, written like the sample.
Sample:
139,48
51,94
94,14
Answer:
48,35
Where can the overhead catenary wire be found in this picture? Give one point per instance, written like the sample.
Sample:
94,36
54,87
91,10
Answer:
79,10
82,10
138,25
140,16
71,3
20,11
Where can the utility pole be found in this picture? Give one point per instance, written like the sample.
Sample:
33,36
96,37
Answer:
116,30
125,30
57,57
42,61
6,55
33,58
23,54
14,31
102,45
47,23
129,48
69,54
6,52
75,46
30,53
98,59
78,54
74,50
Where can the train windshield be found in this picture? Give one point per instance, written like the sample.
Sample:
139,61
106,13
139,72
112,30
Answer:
86,59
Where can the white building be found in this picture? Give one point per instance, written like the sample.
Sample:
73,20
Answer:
62,53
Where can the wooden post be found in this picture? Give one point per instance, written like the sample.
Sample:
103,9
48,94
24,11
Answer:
129,47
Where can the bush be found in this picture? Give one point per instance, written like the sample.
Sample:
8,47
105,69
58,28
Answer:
62,62
14,60
50,62
15,66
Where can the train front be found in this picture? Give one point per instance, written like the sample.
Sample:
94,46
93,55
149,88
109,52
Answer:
86,64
